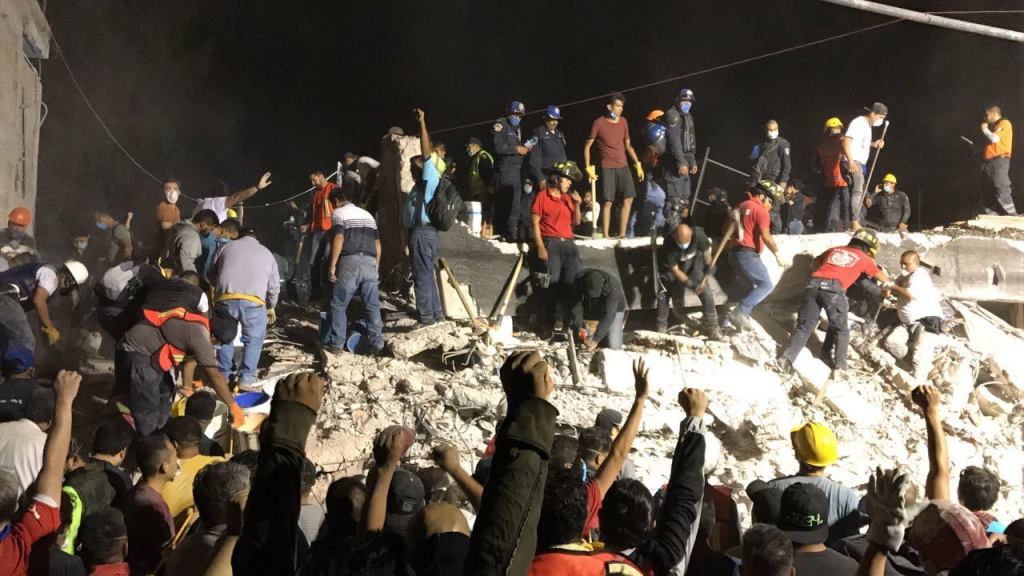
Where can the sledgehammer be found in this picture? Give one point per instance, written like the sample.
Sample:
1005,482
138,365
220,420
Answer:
734,223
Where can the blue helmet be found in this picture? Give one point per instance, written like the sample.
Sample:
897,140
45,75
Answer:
654,132
516,107
686,94
553,113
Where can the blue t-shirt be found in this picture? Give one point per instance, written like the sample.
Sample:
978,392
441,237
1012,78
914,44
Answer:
433,168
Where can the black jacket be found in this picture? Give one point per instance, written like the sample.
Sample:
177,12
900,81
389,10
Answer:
681,138
690,259
505,533
597,294
550,149
772,160
506,138
888,211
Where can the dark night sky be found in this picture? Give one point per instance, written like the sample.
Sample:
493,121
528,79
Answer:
217,91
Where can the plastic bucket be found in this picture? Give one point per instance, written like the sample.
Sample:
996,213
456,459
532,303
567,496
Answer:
474,216
254,402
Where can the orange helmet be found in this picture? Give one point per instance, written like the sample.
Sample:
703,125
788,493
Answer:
20,216
653,115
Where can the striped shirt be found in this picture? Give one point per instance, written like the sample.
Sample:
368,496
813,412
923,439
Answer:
358,228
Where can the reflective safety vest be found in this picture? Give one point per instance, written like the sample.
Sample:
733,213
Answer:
575,560
168,356
477,186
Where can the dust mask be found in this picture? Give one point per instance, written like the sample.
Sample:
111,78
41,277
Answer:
773,134
81,245
684,107
172,196
528,188
878,122
887,187
513,120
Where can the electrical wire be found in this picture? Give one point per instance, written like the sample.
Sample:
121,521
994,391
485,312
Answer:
691,74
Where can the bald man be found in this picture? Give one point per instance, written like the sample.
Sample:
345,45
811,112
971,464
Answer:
683,260
772,162
919,310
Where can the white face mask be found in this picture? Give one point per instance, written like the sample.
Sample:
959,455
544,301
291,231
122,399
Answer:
773,134
878,122
172,196
904,272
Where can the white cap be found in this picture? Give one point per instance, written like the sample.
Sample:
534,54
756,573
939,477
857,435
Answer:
78,271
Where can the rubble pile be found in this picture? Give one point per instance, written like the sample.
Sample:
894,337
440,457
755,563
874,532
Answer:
443,383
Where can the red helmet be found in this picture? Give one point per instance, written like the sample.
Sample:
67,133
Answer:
20,216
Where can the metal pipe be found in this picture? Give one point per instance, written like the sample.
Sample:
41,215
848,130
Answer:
931,19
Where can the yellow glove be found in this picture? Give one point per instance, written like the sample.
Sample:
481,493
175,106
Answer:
592,172
271,316
52,334
639,170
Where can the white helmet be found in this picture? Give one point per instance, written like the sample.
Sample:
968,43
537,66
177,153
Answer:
78,271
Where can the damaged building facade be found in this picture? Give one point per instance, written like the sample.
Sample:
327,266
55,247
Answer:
24,37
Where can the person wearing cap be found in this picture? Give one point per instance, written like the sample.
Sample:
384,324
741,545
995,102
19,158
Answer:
555,211
598,295
816,448
480,180
17,364
754,234
31,286
803,511
611,132
550,146
650,216
683,262
888,208
996,155
832,209
16,245
857,147
610,420
680,148
510,210
832,274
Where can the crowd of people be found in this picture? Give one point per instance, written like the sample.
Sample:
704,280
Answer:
151,491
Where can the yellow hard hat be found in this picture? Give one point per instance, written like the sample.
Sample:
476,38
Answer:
889,178
833,122
814,444
231,213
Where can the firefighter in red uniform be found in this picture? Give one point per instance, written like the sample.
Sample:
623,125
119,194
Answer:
832,274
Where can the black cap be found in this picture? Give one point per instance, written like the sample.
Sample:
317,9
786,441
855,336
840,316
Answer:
803,514
474,140
608,418
879,108
767,501
405,499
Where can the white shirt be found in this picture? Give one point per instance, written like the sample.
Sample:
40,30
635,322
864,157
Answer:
21,451
46,278
217,204
859,133
926,299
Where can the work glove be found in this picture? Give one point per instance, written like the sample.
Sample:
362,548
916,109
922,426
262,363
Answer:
592,172
783,260
639,170
52,334
886,505
237,416
271,316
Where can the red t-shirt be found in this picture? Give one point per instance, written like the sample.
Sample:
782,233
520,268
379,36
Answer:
593,507
320,216
611,141
555,214
844,264
755,219
38,521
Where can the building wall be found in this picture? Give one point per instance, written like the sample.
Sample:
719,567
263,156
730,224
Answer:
24,34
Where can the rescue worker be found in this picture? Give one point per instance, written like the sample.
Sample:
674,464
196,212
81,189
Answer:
119,241
888,208
919,311
170,326
598,295
555,211
116,293
480,181
681,147
832,274
793,207
999,133
509,149
31,286
611,132
754,235
550,147
423,236
772,162
684,260
167,211
16,245
832,210
184,249
316,228
650,216
857,145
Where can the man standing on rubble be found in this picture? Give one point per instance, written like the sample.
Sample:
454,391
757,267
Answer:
316,228
683,262
754,234
832,209
480,181
422,234
509,148
919,309
555,211
680,158
832,274
999,133
550,147
611,132
857,147
888,208
772,163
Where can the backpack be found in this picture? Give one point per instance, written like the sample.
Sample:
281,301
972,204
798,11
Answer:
444,208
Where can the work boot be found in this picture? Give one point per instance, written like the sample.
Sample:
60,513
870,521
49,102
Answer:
785,366
662,328
740,320
710,328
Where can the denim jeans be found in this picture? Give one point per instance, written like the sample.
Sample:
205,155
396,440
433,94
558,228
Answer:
148,390
14,327
422,257
828,295
252,318
357,274
748,265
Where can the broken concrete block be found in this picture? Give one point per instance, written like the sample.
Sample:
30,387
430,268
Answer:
443,335
842,398
615,368
374,385
450,301
811,370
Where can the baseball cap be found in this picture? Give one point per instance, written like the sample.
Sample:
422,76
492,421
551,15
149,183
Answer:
395,131
405,499
608,419
17,359
803,514
879,108
943,533
766,499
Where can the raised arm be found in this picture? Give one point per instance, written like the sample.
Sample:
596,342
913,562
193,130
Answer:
55,451
447,457
425,148
937,486
377,507
243,195
612,465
